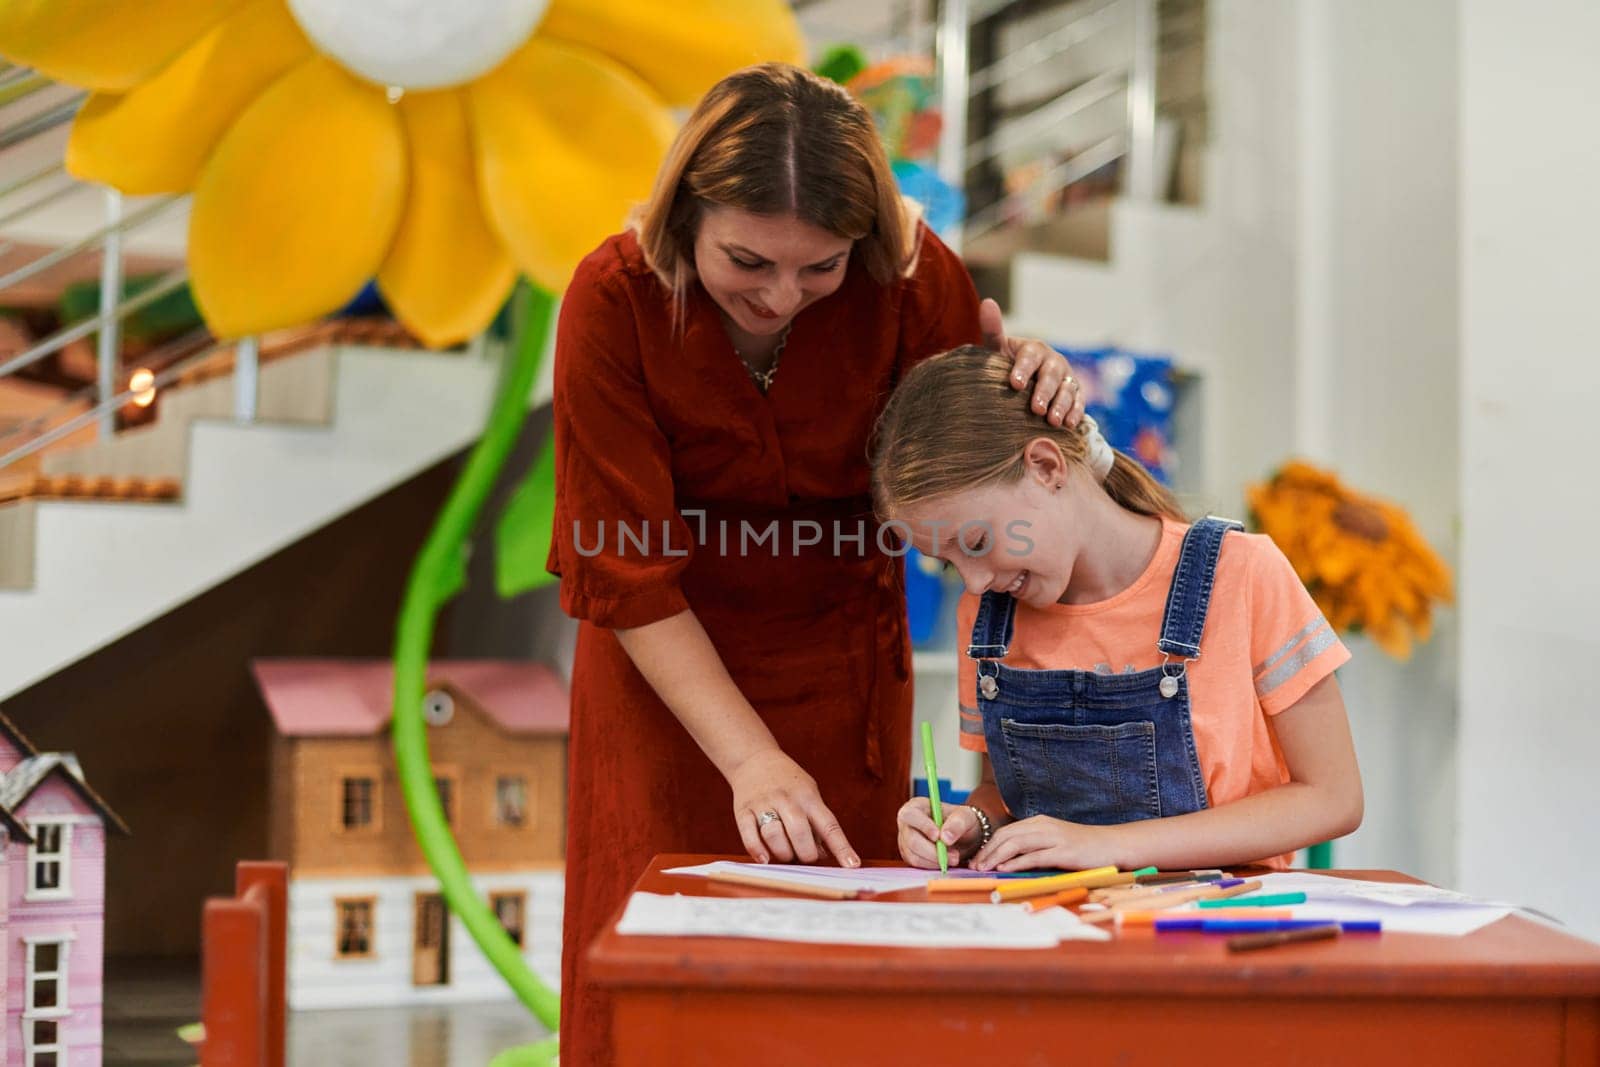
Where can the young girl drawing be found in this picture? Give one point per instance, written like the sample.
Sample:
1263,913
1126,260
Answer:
1145,691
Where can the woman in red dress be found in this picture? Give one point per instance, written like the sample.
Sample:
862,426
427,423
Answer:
742,680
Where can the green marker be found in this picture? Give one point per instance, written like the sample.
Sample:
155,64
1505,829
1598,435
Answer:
1264,900
933,794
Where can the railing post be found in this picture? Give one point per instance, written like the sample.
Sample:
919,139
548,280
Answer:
955,57
234,981
1141,181
110,325
246,378
270,881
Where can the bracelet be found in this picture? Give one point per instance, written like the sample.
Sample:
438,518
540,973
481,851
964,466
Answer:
983,824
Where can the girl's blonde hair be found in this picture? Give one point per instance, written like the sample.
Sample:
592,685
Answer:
954,424
776,139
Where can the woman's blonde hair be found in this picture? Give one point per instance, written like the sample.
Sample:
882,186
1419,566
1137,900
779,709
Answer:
776,139
954,424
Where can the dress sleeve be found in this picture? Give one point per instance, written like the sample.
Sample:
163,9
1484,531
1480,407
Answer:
619,544
1292,646
940,308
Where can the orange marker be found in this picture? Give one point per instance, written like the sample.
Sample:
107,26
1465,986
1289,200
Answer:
1062,899
1148,918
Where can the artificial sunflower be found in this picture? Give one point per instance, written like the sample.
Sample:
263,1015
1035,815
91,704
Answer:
438,147
1362,559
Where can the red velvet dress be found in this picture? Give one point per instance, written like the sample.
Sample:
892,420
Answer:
665,432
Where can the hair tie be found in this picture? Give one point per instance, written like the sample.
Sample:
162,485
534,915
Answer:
1101,458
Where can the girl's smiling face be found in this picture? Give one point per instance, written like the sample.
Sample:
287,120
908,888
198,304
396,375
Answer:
1015,537
763,270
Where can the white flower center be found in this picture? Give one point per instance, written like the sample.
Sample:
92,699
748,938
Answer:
419,44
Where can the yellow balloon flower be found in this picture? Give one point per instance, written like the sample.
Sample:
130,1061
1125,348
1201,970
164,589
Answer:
438,148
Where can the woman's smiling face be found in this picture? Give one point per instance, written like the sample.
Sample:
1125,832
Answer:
763,270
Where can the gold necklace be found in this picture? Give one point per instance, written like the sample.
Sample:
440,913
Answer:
763,378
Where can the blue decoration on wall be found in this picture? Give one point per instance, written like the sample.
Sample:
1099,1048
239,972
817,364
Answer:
1131,396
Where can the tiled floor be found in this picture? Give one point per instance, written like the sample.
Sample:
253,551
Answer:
146,1002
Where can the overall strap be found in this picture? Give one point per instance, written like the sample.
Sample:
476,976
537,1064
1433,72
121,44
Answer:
991,631
1190,595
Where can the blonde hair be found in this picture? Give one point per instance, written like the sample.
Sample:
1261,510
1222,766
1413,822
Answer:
776,139
954,424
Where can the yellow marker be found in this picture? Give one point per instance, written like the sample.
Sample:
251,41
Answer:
1038,887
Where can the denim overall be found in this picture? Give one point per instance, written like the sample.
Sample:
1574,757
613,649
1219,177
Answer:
1097,748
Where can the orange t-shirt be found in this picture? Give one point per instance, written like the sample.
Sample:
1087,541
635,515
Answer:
1265,645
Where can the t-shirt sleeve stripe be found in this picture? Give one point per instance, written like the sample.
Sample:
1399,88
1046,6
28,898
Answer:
1289,646
972,729
1283,667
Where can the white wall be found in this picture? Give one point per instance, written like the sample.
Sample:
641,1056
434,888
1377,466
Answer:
1377,362
1530,231
1315,294
1213,287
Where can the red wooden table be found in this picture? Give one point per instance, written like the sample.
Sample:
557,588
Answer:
1516,992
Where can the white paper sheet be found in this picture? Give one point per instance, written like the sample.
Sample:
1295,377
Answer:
1400,894
1447,920
1403,908
862,879
848,922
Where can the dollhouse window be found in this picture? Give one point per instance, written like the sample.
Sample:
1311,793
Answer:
44,1043
357,813
45,1004
446,785
354,928
49,861
511,800
510,909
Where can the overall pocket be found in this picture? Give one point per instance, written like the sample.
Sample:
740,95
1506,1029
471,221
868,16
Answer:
1099,775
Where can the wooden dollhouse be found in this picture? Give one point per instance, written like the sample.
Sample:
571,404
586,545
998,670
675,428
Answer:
367,925
52,906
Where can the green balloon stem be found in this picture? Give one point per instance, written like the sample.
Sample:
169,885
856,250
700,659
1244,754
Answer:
435,577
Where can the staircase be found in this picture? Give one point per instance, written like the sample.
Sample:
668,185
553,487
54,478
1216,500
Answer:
109,518
338,425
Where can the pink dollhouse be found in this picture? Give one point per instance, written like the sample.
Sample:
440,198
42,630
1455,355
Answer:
52,906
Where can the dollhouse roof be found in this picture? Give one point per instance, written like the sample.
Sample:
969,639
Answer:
354,697
18,784
35,767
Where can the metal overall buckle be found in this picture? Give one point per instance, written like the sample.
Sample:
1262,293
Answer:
1169,679
988,686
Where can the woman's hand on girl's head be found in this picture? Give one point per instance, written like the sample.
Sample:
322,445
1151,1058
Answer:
1056,394
771,781
1043,842
918,834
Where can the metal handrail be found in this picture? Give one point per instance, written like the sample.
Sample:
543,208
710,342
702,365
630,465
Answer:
48,198
167,284
98,237
109,407
43,122
152,360
1085,94
1080,166
46,171
17,84
1046,48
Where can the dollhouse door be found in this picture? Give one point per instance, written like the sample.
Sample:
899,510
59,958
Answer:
430,954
